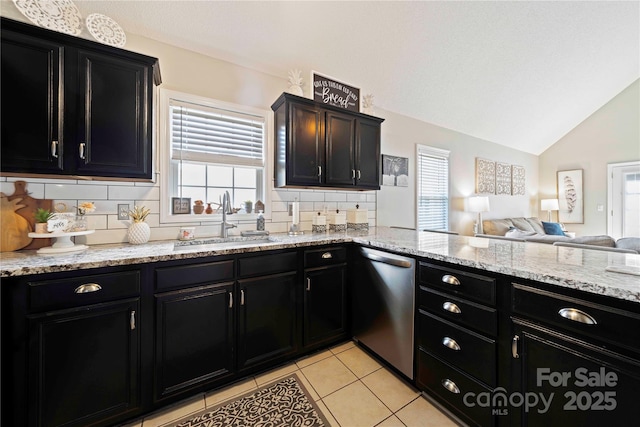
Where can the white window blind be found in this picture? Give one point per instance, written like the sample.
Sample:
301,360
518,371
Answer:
212,135
432,188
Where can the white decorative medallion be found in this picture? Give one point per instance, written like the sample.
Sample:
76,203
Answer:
106,30
57,15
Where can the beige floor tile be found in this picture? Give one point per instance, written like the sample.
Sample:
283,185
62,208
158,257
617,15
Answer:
313,358
174,412
310,390
276,374
392,421
421,413
355,405
327,413
215,397
136,423
393,392
328,375
359,362
342,347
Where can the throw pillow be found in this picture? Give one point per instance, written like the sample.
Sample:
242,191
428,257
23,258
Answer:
517,233
553,228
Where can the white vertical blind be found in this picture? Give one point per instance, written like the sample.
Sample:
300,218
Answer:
212,135
432,188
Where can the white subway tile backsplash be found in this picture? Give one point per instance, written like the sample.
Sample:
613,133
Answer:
357,197
80,192
97,222
284,195
136,193
311,196
336,196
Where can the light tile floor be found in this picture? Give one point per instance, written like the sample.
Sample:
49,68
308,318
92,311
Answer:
351,388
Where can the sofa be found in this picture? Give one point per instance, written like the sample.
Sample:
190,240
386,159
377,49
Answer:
533,230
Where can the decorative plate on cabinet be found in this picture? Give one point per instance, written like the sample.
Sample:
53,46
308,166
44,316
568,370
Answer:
106,30
57,15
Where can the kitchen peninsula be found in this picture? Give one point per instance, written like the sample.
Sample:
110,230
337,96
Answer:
499,305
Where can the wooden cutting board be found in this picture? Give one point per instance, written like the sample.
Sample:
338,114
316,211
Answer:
31,205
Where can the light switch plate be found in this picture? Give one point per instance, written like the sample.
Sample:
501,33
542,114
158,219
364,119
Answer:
123,211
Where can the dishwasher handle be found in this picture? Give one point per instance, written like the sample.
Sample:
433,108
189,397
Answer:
387,260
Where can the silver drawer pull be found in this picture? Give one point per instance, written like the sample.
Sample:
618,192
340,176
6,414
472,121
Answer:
132,320
54,149
451,343
452,280
319,170
87,287
241,296
327,255
81,150
514,347
451,307
230,299
308,283
577,316
450,385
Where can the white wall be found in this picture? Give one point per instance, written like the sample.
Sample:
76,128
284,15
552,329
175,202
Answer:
610,135
397,205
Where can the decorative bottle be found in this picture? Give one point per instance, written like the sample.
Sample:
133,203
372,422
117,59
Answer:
260,221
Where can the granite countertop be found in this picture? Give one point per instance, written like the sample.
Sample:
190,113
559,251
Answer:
567,267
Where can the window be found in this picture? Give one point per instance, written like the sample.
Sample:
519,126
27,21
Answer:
432,188
624,199
211,147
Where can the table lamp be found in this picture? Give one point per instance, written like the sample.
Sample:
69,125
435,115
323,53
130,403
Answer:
478,204
549,205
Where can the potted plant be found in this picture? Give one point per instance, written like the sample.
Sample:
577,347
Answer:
248,206
139,231
42,216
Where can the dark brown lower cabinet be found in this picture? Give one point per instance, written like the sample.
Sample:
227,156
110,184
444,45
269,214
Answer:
194,338
84,364
267,317
324,305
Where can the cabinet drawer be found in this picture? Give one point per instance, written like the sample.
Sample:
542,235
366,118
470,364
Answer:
326,256
187,275
460,311
453,386
83,290
466,350
458,282
268,264
601,322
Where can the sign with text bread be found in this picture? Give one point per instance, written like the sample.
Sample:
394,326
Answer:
335,93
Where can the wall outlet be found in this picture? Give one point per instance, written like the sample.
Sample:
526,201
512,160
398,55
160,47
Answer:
123,211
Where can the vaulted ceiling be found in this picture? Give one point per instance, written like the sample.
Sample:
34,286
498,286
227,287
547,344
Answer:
521,73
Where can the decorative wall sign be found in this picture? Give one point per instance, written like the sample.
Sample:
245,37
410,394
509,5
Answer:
517,180
485,176
333,92
180,205
503,178
570,197
395,171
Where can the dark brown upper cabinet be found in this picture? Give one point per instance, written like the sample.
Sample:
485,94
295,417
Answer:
317,145
72,107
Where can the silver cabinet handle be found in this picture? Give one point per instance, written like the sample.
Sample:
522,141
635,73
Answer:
319,170
451,343
87,287
353,174
452,280
241,296
514,347
132,320
54,149
327,255
81,148
230,299
450,385
577,316
359,175
451,307
308,283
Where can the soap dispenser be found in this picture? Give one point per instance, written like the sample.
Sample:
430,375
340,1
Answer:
260,221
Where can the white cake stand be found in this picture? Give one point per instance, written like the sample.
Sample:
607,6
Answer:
61,241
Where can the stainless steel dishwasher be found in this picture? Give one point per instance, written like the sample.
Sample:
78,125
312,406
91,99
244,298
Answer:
383,302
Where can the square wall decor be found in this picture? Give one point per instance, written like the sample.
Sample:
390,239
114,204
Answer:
517,180
485,176
503,178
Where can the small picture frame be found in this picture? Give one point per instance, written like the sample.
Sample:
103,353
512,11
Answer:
180,205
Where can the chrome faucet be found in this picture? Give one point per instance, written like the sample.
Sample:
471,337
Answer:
226,210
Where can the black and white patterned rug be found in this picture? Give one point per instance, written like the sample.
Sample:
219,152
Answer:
282,403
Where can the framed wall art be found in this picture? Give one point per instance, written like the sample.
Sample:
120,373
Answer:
570,197
518,180
395,171
332,92
503,178
180,205
485,176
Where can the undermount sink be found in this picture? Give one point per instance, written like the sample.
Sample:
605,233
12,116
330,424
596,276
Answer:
220,243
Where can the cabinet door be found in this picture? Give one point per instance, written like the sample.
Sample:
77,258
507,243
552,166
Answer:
324,304
339,136
305,152
194,338
368,154
589,386
113,137
84,364
266,319
31,104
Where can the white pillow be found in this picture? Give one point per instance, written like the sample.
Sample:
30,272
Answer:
517,233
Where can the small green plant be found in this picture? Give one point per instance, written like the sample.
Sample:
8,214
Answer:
43,215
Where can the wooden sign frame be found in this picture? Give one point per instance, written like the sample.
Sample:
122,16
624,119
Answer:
330,91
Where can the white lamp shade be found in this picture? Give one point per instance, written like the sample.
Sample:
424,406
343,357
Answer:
549,205
478,204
